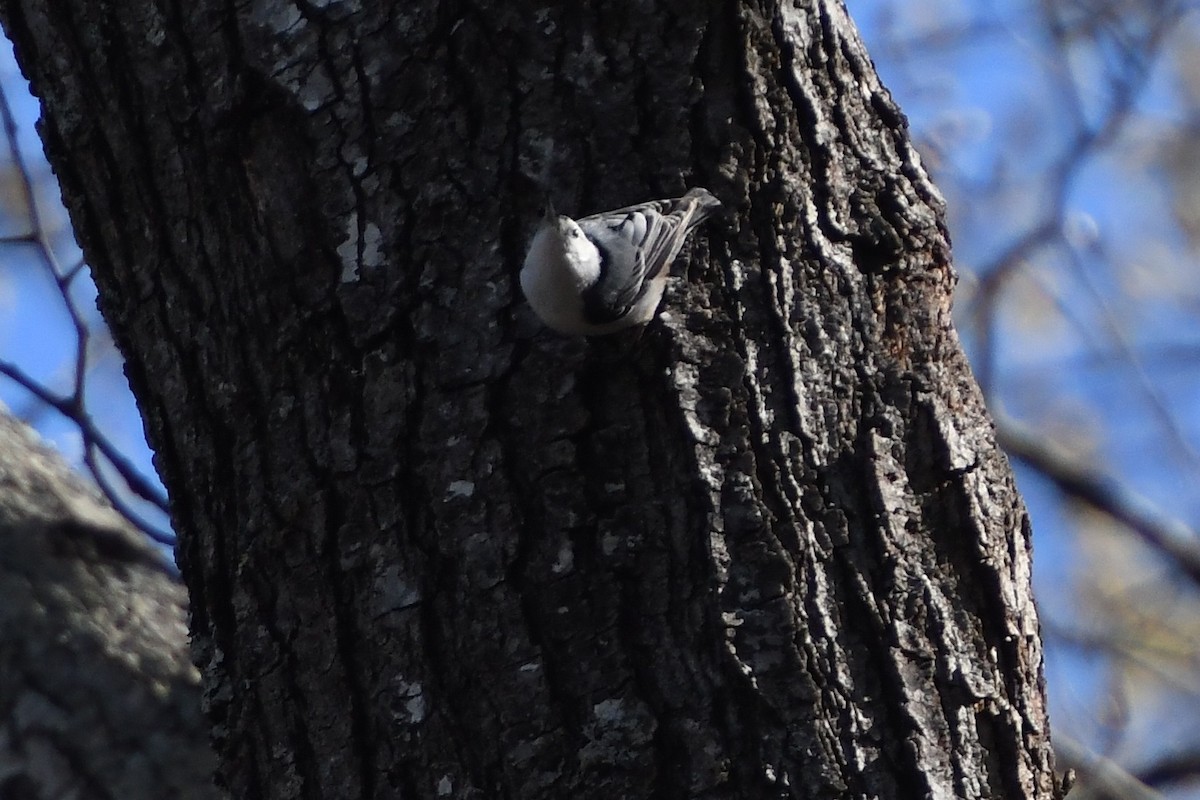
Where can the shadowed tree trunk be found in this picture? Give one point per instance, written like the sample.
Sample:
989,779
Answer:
767,548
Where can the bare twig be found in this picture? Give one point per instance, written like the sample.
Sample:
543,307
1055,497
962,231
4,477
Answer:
1084,483
1105,777
1176,768
73,405
94,439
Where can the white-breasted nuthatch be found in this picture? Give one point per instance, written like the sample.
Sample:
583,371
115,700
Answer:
608,271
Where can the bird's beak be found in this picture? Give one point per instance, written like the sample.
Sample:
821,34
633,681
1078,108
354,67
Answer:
548,212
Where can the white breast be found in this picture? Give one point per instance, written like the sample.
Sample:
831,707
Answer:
552,279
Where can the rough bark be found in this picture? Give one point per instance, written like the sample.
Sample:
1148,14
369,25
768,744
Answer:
768,548
98,697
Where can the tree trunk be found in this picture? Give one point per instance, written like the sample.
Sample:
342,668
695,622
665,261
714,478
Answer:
767,548
98,698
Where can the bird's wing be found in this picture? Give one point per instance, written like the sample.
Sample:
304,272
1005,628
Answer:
623,272
637,243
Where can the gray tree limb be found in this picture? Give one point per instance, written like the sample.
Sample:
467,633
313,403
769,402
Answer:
98,696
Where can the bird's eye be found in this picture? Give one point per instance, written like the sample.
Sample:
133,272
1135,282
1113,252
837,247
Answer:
575,233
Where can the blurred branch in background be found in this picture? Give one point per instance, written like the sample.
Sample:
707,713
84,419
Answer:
1104,777
1082,482
99,454
1066,137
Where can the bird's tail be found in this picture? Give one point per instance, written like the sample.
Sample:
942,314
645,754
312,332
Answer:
697,205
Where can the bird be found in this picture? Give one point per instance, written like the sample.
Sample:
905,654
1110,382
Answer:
607,272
